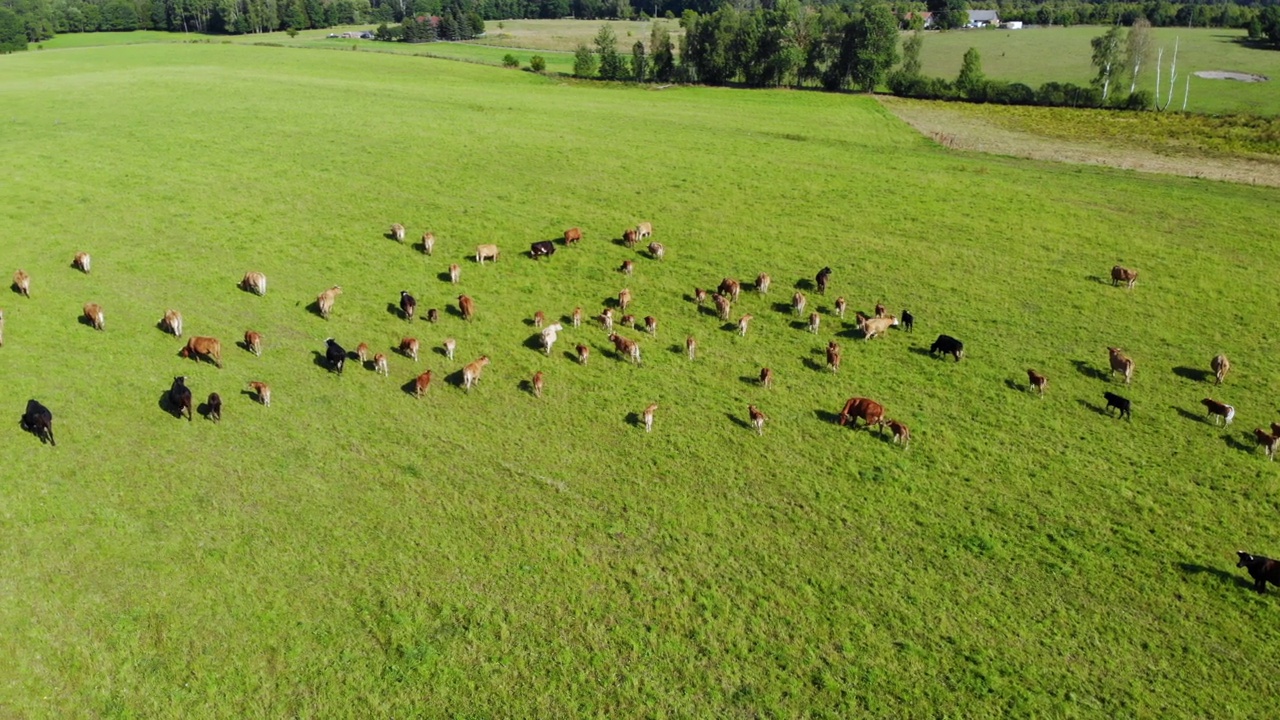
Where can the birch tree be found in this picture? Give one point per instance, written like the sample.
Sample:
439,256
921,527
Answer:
1137,50
1106,58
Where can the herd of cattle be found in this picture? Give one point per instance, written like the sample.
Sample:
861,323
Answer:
38,419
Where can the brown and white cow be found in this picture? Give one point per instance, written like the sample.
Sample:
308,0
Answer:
380,364
428,243
1220,366
488,251
627,268
449,346
539,318
254,282
901,433
584,353
421,384
93,313
730,287
1124,275
651,324
82,262
841,306
868,410
22,283
644,230
172,322
362,352
262,390
723,305
757,419
648,417
409,347
833,356
762,283
766,377
690,345
743,323
253,343
471,373
467,307
1219,410
326,299
629,237
872,327
397,232
815,320
624,298
628,321
626,347
798,302
606,319
699,296
572,236
1268,442
1039,382
537,384
455,273
577,317
207,347
1121,363
657,250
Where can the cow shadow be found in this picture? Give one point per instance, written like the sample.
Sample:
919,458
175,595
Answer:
84,320
677,350
444,277
633,419
321,361
750,379
420,247
203,410
453,310
1193,374
1221,576
1098,279
534,342
32,429
919,350
849,331
169,406
525,386
807,285
739,422
252,396
707,310
160,325
571,355
244,346
1192,416
799,325
439,350
14,287
729,327
411,388
1234,444
827,416
314,308
1101,410
454,378
1088,370
394,310
1015,386
814,364
390,236
781,307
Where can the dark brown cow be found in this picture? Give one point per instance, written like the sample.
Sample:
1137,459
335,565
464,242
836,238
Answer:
1123,275
408,305
1268,442
628,321
467,307
651,324
901,433
626,347
180,397
766,377
1219,410
1039,383
868,410
730,287
215,407
433,315
584,353
539,318
629,237
823,277
880,310
1262,570
206,347
572,236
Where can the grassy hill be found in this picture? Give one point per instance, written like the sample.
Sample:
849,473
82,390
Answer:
353,551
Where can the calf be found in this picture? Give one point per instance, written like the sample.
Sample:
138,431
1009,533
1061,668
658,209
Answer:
93,313
1220,366
757,419
624,298
539,318
428,243
908,320
380,364
207,347
433,315
549,335
699,296
657,251
730,287
577,317
1119,403
172,322
488,251
627,268
1268,442
180,396
254,282
1123,275
722,306
471,373
215,407
409,347
870,411
22,283
455,272
762,283
822,278
860,317
541,249
877,326
648,417
841,306
606,319
880,311
408,305
833,356
81,262
690,346
901,433
397,232
537,384
38,420
1218,409
651,324
798,302
814,321
1039,383
1262,570
766,377
324,301
262,391
467,307
1121,363
335,355
584,353
449,345
253,343
626,347
629,237
572,236
628,321
947,345
643,230
743,323
362,353
421,383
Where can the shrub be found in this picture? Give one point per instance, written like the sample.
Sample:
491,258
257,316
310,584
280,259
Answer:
584,62
510,61
538,64
292,32
1140,100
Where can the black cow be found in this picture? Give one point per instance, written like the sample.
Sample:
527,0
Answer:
335,355
39,421
1264,570
823,276
215,407
947,345
907,320
1117,402
180,396
541,248
407,304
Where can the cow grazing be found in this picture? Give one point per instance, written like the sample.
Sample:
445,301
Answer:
1220,366
657,251
699,296
537,384
428,243
833,356
455,272
380,364
651,324
901,433
1219,410
549,335
628,321
325,300
172,322
1121,363
206,347
577,317
1119,403
541,249
627,267
626,347
1262,570
254,282
762,283
584,353
690,347
841,306
539,318
629,237
723,306
180,396
335,355
93,313
467,307
488,251
757,419
870,411
648,417
81,262
880,310
38,420
743,323
471,373
262,391
408,305
947,345
815,320
731,288
362,352
215,407
253,343
908,320
766,377
433,315
643,230
449,346
572,236
409,347
1124,275
1268,442
798,302
606,319
877,326
624,298
22,283
421,383
1039,383
822,278
397,232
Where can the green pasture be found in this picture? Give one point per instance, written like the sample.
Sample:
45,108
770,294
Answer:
567,34
1054,54
352,551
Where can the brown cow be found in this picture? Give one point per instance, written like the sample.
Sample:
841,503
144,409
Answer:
449,346
877,326
814,321
362,352
606,319
833,356
409,347
626,347
859,407
1219,409
172,322
730,287
648,417
1268,442
577,317
757,419
624,298
428,243
901,433
253,343
841,306
198,347
433,315
471,373
455,272
628,321
81,262
722,305
657,250
823,277
699,296
1121,363
880,311
254,282
743,323
380,364
1123,275
627,267
690,345
22,283
584,353
762,283
539,318
572,236
629,237
263,391
643,230
421,383
397,232
1039,382
798,302
766,377
467,307
325,300
93,313
651,324
488,251
1220,366
537,384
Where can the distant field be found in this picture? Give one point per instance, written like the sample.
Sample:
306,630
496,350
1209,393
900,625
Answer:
566,35
1039,55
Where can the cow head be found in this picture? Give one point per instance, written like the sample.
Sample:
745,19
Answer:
1245,559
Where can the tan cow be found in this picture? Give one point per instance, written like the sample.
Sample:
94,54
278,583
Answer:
606,319
467,307
880,310
380,364
254,282
455,272
657,250
471,373
488,251
428,243
22,283
82,262
626,347
762,283
841,306
397,232
362,352
1124,275
449,346
877,326
577,317
572,236
833,355
757,419
263,391
1121,363
699,296
743,323
253,343
643,230
93,313
1039,382
690,345
722,306
584,353
421,383
537,384
901,433
648,417
766,377
172,322
324,301
815,320
198,347
409,347
798,302
624,298
1220,366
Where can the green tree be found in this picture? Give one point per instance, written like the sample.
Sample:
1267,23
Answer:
663,58
612,66
584,62
949,14
971,83
1137,51
1107,59
909,72
13,36
510,61
538,64
1270,21
639,63
875,29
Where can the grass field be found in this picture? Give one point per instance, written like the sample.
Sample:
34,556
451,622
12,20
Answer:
566,35
1039,55
354,552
